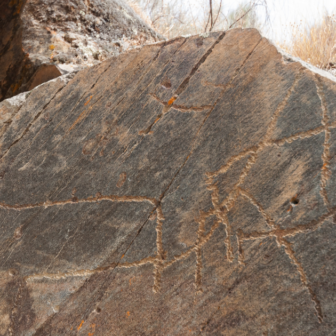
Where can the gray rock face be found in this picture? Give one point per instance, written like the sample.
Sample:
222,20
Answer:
43,39
184,188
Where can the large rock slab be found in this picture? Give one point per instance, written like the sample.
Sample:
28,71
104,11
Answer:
184,188
43,39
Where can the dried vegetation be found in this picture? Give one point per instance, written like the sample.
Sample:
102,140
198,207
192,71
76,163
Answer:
173,18
314,43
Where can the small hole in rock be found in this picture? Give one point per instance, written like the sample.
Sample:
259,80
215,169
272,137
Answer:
13,272
98,310
294,201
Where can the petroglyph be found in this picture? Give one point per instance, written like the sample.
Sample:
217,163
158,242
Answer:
220,210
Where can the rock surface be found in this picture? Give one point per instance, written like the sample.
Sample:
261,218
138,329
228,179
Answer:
42,39
184,188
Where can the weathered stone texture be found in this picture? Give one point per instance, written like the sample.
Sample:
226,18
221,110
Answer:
43,39
184,188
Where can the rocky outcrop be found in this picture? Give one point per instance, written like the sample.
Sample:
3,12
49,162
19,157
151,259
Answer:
184,188
43,39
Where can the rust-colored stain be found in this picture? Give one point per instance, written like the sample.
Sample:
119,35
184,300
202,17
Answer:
122,256
80,326
128,314
171,100
82,116
19,7
16,86
88,101
18,4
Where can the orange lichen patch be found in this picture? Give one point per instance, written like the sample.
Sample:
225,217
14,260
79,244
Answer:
52,47
122,256
128,314
171,100
80,326
82,116
88,101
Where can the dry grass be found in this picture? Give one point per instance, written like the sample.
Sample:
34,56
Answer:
140,12
314,43
173,18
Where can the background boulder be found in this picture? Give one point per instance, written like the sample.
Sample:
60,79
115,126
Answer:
42,39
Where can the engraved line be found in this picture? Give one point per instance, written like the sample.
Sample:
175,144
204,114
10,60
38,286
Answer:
289,251
269,220
297,136
158,266
227,241
97,198
223,169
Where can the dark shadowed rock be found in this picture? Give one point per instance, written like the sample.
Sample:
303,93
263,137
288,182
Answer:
183,188
43,39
